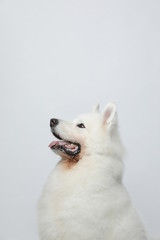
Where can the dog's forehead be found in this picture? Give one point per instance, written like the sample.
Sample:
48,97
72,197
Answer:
87,117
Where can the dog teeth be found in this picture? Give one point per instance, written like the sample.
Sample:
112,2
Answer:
71,146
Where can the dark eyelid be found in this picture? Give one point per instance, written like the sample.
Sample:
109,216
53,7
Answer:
81,125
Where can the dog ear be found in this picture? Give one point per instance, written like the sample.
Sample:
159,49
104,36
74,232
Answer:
96,108
110,115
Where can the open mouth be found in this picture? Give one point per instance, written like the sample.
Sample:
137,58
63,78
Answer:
65,146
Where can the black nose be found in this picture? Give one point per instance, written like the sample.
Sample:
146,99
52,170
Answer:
53,122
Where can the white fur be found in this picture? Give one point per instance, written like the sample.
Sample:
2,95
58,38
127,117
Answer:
88,201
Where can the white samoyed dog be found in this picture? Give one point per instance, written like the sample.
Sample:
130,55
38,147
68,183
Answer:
84,197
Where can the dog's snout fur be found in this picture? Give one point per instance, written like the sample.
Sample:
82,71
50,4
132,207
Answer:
54,122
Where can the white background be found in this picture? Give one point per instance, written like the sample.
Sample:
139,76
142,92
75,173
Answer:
58,58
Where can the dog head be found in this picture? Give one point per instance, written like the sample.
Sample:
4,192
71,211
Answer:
91,133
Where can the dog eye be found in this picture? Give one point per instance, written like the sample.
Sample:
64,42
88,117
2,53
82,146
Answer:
80,125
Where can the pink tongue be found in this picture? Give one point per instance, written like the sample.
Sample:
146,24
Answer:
56,143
